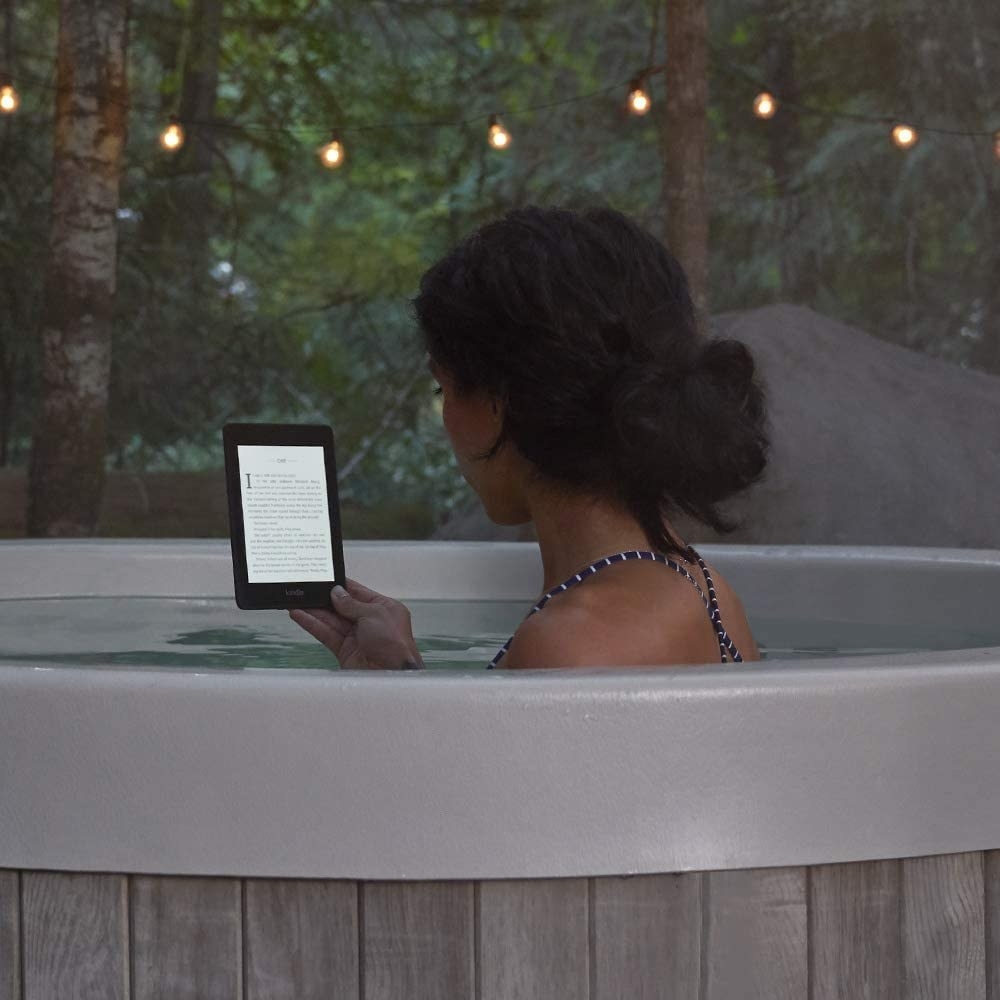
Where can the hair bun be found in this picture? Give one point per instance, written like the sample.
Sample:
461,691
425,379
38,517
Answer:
646,402
730,361
677,424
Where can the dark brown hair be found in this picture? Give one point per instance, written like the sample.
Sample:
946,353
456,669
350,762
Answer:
582,323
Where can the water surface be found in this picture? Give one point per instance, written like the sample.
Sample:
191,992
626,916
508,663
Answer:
451,635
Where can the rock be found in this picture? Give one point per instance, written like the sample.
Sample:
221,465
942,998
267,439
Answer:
872,443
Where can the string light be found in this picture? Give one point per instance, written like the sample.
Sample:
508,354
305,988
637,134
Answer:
9,99
331,154
764,105
638,97
172,137
499,137
905,136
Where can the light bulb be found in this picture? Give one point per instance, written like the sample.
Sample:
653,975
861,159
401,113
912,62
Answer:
9,100
172,137
905,136
996,143
764,105
638,100
331,155
499,136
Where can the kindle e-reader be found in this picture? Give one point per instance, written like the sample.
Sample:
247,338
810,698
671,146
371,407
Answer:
284,514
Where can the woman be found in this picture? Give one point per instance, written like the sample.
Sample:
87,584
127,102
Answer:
578,395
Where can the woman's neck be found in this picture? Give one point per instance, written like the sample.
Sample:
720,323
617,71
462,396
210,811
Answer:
575,531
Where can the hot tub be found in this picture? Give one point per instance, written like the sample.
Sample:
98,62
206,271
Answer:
820,826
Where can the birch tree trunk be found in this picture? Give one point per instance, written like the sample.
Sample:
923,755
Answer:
684,130
66,477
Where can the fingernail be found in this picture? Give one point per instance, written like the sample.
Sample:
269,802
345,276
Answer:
339,591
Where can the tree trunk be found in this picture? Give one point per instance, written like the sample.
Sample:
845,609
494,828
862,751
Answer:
179,220
67,461
200,84
194,209
684,129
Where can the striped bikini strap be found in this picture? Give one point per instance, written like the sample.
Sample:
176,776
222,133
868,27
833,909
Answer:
726,645
711,604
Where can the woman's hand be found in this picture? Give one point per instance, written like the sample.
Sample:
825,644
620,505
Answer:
364,630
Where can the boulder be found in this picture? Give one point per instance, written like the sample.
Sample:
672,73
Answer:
872,443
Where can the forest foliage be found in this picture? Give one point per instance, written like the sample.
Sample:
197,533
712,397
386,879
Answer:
253,284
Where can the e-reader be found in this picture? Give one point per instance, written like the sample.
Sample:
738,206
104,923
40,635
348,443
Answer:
284,514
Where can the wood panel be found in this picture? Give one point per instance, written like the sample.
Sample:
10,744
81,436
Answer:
300,939
917,928
75,936
418,940
854,931
943,927
757,934
186,938
991,874
10,935
646,932
534,940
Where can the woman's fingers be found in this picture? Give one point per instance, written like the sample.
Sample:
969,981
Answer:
318,628
361,592
331,618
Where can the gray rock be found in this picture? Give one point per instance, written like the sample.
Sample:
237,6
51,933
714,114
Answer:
872,443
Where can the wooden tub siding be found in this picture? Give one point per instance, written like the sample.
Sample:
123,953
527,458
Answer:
300,939
74,935
418,940
854,926
534,939
10,935
943,915
756,944
646,932
187,938
991,864
901,928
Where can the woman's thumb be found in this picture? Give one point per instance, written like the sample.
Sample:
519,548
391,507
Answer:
346,605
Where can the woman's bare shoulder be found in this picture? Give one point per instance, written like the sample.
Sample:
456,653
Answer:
603,631
635,619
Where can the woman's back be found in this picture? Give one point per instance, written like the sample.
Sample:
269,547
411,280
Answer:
634,613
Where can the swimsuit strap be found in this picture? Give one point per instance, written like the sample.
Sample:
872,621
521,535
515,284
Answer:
711,603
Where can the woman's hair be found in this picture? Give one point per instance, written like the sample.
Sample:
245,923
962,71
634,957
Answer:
582,323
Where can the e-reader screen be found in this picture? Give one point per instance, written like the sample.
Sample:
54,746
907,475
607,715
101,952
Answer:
286,519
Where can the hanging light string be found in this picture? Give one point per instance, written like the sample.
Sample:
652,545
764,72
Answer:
904,134
9,98
332,154
325,129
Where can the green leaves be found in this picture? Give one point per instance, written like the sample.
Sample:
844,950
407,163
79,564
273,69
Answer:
312,318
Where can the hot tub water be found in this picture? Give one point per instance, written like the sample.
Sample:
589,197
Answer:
451,635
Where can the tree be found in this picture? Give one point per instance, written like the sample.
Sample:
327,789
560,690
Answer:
67,460
685,128
252,284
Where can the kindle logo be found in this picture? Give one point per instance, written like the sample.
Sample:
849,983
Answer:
295,592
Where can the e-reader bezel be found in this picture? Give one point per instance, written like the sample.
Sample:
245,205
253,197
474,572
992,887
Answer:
289,593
